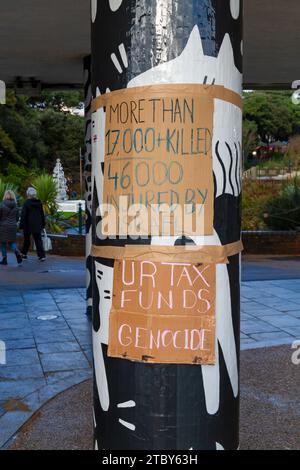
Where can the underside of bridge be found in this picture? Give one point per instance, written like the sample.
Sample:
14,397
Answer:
48,41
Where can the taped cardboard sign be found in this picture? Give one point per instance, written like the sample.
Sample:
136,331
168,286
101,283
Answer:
210,254
158,153
163,312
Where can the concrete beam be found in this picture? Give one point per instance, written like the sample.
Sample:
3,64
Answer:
48,40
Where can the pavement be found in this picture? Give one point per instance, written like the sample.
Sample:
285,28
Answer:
48,340
55,272
270,313
48,350
267,268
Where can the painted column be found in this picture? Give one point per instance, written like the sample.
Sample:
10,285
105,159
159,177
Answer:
145,43
88,179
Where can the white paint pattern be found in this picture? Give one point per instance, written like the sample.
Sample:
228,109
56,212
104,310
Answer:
115,4
116,62
98,150
235,6
127,404
94,6
100,372
227,134
124,58
127,425
123,53
104,279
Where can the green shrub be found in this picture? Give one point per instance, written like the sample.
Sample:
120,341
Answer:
20,176
256,194
276,162
282,212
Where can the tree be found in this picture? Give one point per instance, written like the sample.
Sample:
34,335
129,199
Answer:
292,156
35,133
58,100
250,138
276,117
7,148
20,176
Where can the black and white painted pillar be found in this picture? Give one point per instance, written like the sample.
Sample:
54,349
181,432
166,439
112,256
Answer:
149,42
88,179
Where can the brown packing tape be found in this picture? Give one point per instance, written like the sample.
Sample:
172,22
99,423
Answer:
224,94
187,253
216,91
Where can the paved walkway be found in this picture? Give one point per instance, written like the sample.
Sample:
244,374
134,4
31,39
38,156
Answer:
55,272
270,313
268,268
48,341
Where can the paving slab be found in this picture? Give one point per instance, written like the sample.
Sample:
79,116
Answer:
265,268
43,356
63,361
68,346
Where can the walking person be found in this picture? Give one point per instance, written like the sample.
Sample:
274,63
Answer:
9,215
33,223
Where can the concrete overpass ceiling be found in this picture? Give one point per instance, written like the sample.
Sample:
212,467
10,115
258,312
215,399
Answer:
271,42
48,40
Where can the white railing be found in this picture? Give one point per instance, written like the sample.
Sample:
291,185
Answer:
2,92
71,206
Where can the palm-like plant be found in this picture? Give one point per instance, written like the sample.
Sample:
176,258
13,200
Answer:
46,192
46,189
5,187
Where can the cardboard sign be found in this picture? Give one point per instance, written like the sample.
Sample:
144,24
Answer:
163,312
158,153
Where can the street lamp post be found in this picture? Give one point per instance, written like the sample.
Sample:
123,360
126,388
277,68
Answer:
155,50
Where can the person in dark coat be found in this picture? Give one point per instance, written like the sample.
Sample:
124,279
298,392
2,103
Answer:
33,223
9,215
